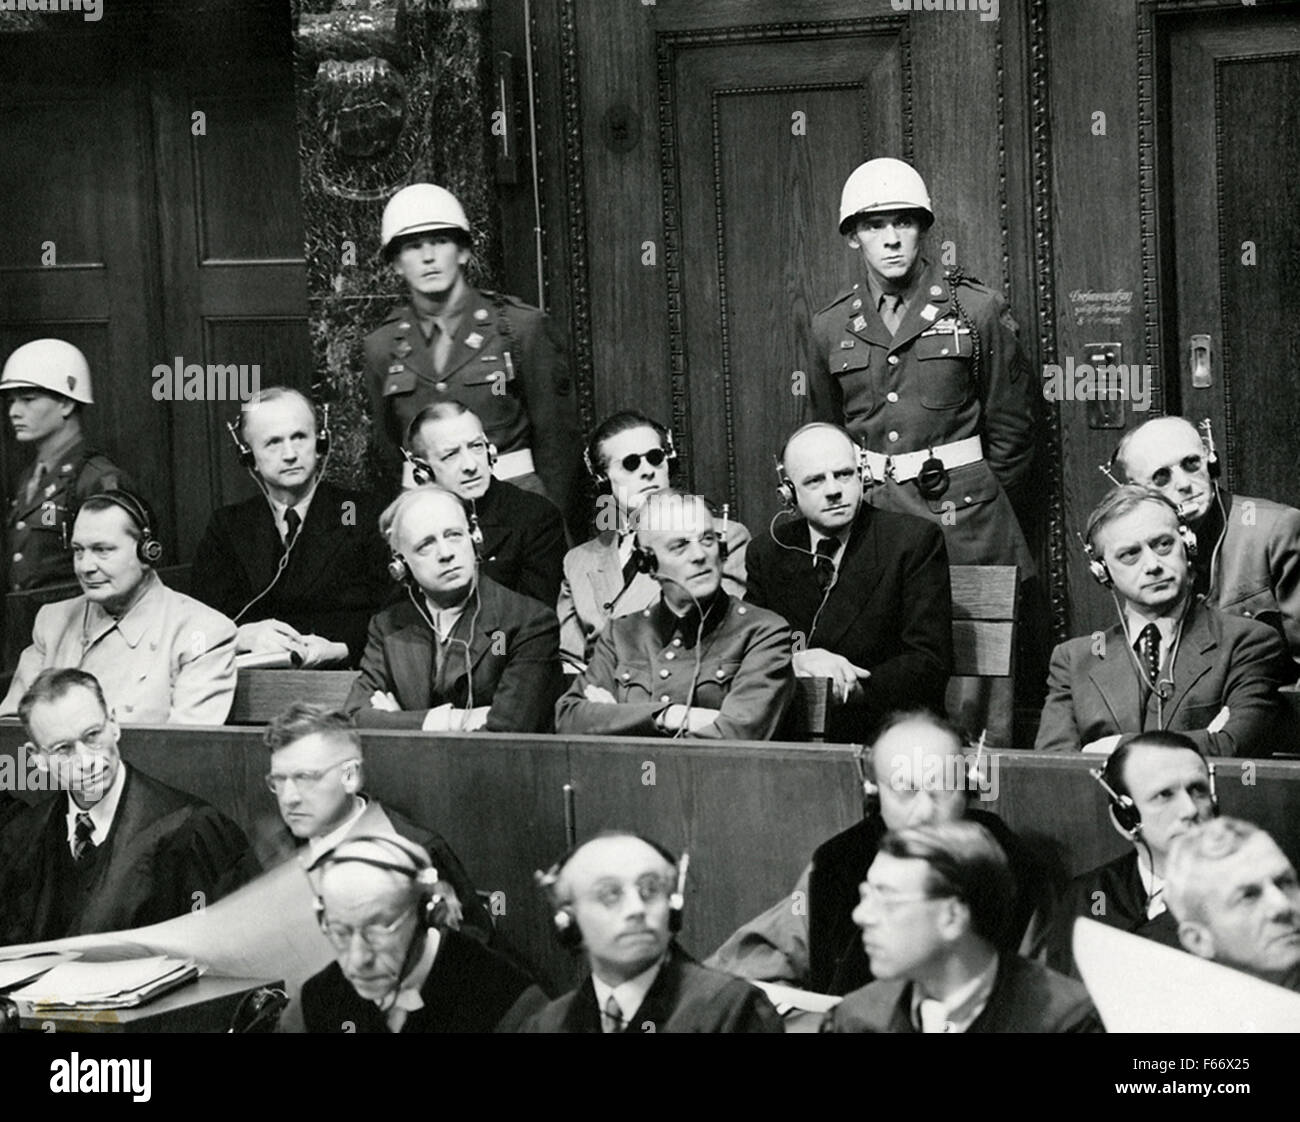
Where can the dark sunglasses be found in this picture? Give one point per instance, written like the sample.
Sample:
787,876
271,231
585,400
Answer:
654,458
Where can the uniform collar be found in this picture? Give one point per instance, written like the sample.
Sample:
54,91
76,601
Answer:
61,449
874,286
142,617
668,625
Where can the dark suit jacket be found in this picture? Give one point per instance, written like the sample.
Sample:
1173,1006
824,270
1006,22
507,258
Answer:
1026,997
336,578
514,651
163,847
837,962
469,989
890,611
1093,688
685,997
1112,894
523,541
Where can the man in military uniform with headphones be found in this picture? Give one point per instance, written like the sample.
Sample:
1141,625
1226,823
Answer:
459,652
924,369
917,772
619,898
865,590
1158,787
47,385
299,567
523,533
1171,662
1250,547
452,342
161,656
698,663
399,967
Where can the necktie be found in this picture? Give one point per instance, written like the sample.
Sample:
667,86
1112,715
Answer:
824,564
1149,649
891,313
441,346
292,524
81,836
611,1017
34,484
933,1016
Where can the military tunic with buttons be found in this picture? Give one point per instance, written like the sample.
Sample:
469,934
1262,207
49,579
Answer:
647,661
38,555
953,370
507,363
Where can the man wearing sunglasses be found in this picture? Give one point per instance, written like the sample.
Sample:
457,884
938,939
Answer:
523,533
316,775
399,966
121,849
932,911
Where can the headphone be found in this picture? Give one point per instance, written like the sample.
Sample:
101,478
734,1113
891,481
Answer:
564,922
421,873
785,489
248,461
148,549
1097,566
400,571
665,442
864,761
1125,811
422,470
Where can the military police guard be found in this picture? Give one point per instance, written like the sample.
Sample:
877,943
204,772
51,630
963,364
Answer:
925,370
492,353
48,382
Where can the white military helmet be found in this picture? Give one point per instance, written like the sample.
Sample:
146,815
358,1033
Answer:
880,185
418,209
50,365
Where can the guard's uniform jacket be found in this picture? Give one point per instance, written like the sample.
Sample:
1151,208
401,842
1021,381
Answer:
954,371
648,662
507,363
38,529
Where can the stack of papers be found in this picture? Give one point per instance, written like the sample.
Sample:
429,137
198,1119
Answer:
25,968
103,985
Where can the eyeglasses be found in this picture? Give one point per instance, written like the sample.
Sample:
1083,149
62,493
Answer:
276,783
654,458
888,901
374,935
94,739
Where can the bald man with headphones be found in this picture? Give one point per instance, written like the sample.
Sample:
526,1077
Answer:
161,656
399,967
1171,661
619,899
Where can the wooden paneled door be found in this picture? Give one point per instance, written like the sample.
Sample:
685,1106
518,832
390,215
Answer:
1231,244
174,235
762,134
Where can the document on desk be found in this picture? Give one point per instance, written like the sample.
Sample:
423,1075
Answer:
25,968
103,985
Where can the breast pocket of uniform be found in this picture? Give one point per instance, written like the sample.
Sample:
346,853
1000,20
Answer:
853,369
633,682
945,368
715,683
492,371
398,382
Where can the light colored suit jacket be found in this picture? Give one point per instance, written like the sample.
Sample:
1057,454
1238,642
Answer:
169,660
592,593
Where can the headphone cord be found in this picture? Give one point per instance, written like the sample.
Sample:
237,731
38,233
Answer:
473,621
835,569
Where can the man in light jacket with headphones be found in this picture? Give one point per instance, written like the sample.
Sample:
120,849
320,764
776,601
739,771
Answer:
1171,661
161,657
459,652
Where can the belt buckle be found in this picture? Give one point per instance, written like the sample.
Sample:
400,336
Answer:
889,468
